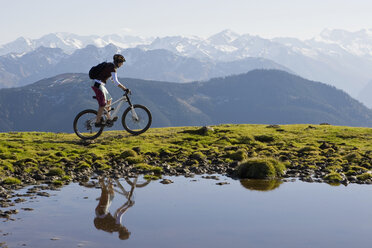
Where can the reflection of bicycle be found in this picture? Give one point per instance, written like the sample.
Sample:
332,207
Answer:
136,119
104,220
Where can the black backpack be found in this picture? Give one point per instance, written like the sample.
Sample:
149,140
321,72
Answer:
96,70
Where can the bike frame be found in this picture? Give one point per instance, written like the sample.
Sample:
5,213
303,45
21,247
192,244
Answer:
120,103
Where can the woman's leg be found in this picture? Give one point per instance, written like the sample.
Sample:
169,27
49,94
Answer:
108,109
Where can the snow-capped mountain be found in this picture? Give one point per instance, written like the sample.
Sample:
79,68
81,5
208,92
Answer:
158,64
70,42
358,43
330,60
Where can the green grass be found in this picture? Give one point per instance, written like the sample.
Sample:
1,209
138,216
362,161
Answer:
339,149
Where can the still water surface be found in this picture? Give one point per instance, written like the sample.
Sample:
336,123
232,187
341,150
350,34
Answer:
195,212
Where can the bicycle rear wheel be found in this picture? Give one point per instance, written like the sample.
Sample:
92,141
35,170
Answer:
84,125
136,120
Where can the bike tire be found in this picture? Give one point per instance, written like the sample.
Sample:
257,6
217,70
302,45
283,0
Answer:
84,122
133,126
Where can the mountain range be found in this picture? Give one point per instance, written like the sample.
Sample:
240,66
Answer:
336,57
158,64
259,96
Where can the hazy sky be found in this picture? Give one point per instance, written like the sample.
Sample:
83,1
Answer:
266,18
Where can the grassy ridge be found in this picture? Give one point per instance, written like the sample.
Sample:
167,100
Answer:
330,153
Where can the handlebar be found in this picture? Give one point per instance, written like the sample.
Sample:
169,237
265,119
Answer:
127,92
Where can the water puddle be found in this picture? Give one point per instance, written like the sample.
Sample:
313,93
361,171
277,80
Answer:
209,211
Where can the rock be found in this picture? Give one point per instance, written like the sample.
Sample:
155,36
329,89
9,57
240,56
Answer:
324,145
18,200
27,209
233,164
12,211
90,184
222,183
137,149
5,195
38,176
33,190
45,194
166,181
273,126
211,177
4,215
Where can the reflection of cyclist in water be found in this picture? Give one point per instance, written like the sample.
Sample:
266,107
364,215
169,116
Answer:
104,219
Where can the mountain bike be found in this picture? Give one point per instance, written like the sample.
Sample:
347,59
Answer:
136,119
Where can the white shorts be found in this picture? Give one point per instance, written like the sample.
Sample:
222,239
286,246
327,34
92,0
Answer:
104,91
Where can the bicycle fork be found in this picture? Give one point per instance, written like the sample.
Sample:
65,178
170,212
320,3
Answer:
134,114
132,111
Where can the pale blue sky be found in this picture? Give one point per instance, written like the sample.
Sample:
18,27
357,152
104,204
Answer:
266,18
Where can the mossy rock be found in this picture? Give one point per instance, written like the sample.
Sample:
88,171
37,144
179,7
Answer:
128,153
27,162
61,154
6,165
283,158
58,183
147,167
83,165
164,152
201,131
134,159
306,149
333,177
152,177
228,160
334,168
239,155
11,181
353,156
32,170
197,156
364,176
192,162
351,173
264,138
260,184
358,168
8,156
243,140
66,178
56,171
260,168
101,165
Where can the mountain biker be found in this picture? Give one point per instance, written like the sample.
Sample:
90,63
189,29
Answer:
102,95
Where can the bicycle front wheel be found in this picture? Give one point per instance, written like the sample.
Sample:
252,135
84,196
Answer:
136,119
84,125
